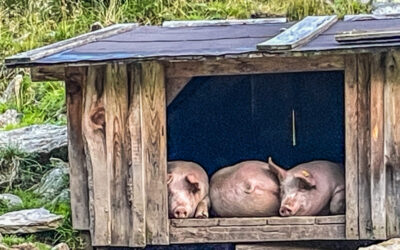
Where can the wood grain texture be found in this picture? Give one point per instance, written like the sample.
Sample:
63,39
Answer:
154,154
253,66
364,146
94,138
79,192
392,143
351,139
378,170
256,233
197,23
48,73
116,112
136,185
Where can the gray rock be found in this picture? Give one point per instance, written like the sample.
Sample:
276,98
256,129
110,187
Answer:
12,89
64,196
12,200
11,116
29,221
55,181
392,244
42,139
61,246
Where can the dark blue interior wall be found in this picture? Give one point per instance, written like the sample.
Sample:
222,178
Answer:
221,120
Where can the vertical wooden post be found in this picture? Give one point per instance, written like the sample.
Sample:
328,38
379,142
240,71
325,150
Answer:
154,151
364,145
75,78
351,139
392,143
138,172
378,170
94,138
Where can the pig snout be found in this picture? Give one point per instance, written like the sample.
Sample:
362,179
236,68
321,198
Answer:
180,212
287,211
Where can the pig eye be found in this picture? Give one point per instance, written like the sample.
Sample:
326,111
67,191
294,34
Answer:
303,186
194,189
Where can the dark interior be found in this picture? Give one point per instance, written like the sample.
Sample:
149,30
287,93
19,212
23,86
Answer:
218,121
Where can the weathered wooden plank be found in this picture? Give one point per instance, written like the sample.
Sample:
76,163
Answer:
76,78
136,185
53,48
363,17
174,85
196,23
295,220
351,139
378,171
332,219
302,245
47,73
242,221
116,113
392,143
364,145
154,154
256,233
253,66
93,130
362,35
194,222
299,34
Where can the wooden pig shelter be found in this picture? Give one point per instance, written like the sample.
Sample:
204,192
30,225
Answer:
219,92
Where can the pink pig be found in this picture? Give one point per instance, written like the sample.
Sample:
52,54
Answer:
312,188
245,189
187,190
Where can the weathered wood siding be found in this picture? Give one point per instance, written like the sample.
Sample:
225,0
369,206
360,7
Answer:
117,117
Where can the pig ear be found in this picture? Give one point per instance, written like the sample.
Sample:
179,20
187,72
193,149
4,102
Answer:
169,178
306,179
192,179
278,171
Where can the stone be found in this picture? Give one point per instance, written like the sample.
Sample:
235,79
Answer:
61,246
64,196
11,199
12,89
41,139
384,9
392,244
11,116
3,247
29,221
24,246
54,181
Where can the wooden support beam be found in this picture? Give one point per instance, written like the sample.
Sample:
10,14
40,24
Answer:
196,23
364,146
253,66
392,143
57,47
47,73
154,152
351,151
378,170
298,34
76,78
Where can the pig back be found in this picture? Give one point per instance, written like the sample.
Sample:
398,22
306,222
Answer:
245,189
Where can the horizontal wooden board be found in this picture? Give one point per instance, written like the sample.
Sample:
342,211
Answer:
256,233
253,66
251,221
298,34
362,35
47,73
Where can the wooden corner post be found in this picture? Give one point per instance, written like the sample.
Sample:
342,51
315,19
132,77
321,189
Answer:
154,151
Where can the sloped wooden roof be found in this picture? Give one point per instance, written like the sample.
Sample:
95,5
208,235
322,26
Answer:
180,41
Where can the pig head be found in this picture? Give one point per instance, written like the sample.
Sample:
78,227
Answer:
312,188
245,189
187,190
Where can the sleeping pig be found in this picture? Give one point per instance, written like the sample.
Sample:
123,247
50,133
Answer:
187,190
312,188
245,189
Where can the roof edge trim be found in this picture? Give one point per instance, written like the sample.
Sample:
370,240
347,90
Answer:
222,22
31,55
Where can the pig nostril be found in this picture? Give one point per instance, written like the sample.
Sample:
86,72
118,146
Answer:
180,213
285,211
